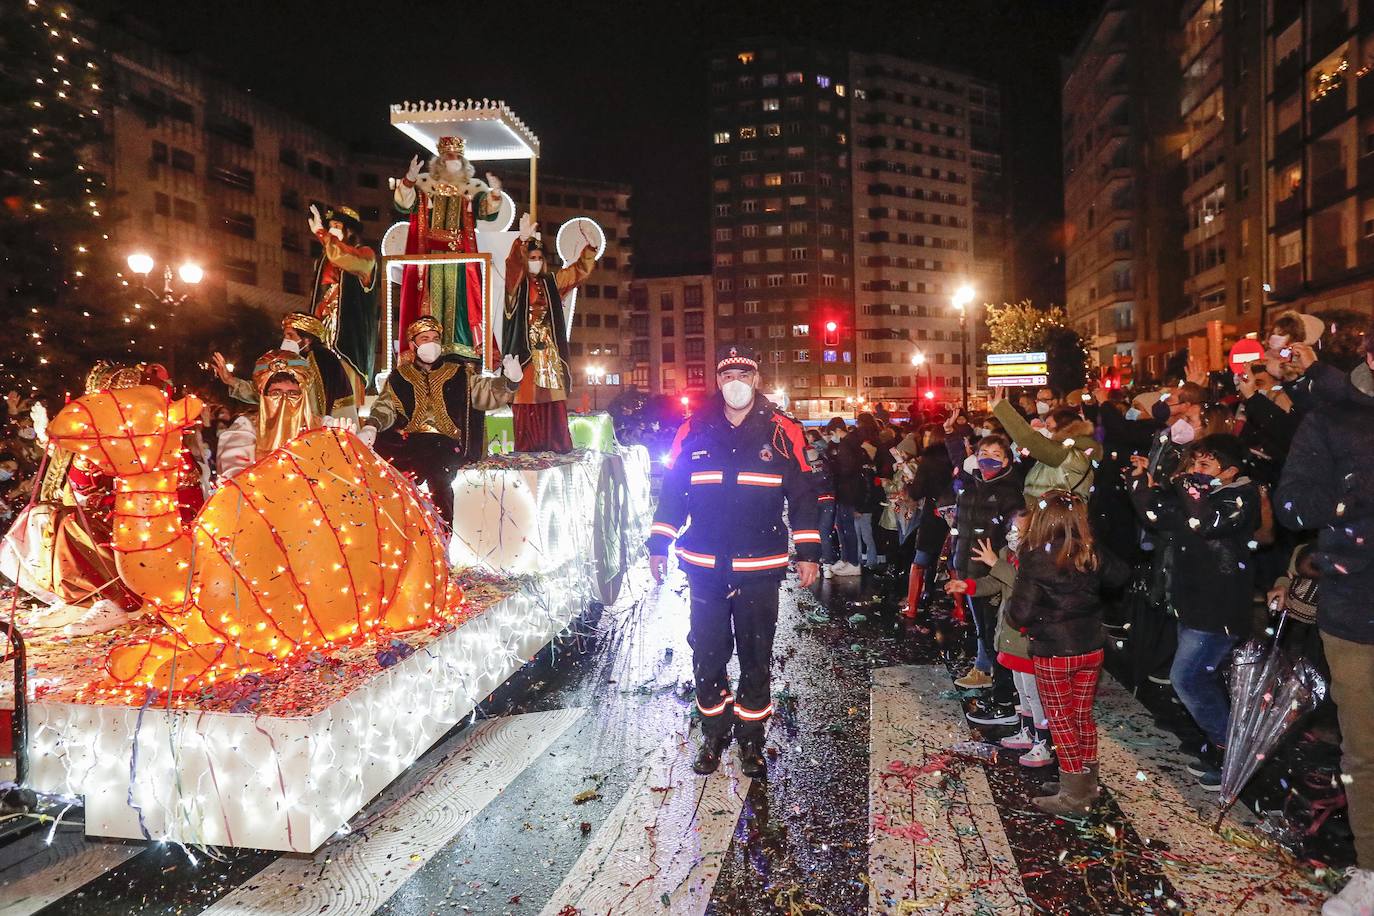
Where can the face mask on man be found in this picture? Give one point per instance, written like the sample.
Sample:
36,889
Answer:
1132,414
985,430
290,346
1013,538
834,437
536,265
1278,341
337,232
428,352
990,467
1182,431
6,474
738,393
1042,408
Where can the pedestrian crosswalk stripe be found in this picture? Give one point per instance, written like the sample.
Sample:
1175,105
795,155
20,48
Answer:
357,874
30,881
925,853
665,838
1144,770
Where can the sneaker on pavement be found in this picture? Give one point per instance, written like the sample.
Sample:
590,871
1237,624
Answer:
1356,898
1211,780
974,680
846,569
1039,755
103,616
1200,766
992,714
827,571
1021,741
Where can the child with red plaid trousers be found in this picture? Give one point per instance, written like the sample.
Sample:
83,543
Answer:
1056,600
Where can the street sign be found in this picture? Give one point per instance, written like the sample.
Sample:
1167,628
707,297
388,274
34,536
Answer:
1019,369
1243,353
1003,359
1019,381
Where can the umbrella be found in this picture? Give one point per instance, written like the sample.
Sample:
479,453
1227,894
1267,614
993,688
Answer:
1269,694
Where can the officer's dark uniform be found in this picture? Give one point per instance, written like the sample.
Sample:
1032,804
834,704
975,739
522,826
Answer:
722,501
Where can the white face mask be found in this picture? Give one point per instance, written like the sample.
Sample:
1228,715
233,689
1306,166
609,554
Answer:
6,474
738,394
337,232
971,464
1278,341
985,430
536,265
834,437
1013,538
1182,431
290,346
1042,408
428,352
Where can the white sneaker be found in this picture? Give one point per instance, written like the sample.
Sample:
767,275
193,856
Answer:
1039,755
103,616
827,571
1021,741
1356,898
846,569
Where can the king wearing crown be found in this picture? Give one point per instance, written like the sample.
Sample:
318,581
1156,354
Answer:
445,204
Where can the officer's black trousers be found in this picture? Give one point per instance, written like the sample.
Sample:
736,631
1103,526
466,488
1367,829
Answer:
743,621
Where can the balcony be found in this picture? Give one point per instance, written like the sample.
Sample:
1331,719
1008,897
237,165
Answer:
1329,188
1287,74
1327,111
1329,34
1287,140
1289,209
1288,281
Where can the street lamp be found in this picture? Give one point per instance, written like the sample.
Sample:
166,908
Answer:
918,359
963,296
190,274
595,375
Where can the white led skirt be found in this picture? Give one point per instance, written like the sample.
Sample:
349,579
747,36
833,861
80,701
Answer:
289,783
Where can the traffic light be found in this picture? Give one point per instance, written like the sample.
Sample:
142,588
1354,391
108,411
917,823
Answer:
1123,363
832,334
929,395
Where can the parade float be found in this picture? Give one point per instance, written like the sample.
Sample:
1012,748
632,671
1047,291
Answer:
313,629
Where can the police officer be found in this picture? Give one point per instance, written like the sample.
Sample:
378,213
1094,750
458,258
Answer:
732,465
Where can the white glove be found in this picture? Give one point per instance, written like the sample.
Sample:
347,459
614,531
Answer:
413,172
314,221
527,227
493,182
368,435
510,366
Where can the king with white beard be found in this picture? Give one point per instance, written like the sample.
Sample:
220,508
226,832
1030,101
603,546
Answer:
445,204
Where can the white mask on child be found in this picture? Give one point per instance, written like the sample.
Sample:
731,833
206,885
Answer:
1182,431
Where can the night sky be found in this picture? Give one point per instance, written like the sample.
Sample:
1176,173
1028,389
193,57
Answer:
619,91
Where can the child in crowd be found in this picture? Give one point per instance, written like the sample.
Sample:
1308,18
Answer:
989,494
1210,513
1056,600
1013,648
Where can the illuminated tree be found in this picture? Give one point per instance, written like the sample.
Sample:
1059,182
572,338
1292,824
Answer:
1021,327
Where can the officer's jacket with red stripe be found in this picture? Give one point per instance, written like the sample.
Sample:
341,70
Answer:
723,495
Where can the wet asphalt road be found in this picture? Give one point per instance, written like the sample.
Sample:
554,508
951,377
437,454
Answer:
800,844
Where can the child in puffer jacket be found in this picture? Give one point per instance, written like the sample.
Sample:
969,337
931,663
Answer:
1013,647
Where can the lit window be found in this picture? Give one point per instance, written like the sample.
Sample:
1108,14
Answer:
822,81
839,89
801,356
723,136
748,133
829,356
746,57
795,78
801,330
773,180
771,104
773,130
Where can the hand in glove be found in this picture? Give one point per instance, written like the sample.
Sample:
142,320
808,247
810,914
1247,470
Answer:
368,434
510,366
413,172
527,227
494,183
314,221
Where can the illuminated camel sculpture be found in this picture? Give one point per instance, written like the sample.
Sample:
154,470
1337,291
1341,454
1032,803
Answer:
321,543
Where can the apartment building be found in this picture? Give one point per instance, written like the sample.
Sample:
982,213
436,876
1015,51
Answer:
673,335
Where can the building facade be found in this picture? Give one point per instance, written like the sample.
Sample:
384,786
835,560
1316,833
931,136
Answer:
673,336
1122,179
1320,114
851,195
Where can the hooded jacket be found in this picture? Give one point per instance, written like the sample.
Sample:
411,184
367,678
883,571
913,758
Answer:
1328,485
1063,462
1061,609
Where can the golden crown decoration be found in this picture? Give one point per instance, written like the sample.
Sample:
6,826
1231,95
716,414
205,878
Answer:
486,128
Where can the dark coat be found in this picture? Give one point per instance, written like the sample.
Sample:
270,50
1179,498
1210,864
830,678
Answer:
933,485
1061,609
730,483
1328,485
1211,574
983,510
853,473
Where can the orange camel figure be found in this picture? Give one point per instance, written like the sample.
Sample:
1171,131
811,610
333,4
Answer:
320,543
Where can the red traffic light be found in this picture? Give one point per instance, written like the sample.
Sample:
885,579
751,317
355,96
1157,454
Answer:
831,326
929,395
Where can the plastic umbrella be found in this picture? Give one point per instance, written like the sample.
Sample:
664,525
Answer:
1269,694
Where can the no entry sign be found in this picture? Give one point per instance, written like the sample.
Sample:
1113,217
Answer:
1243,353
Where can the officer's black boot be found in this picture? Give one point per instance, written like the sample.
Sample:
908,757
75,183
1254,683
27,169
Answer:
751,759
708,757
